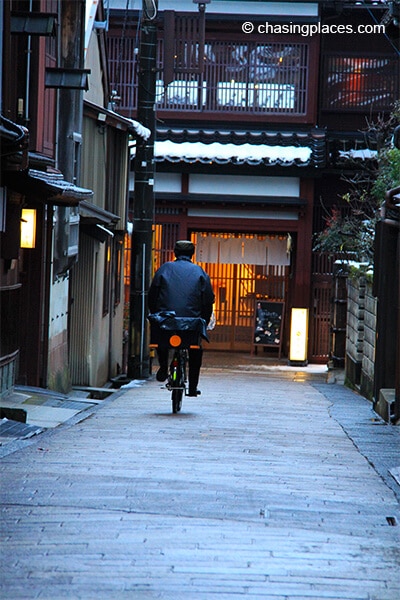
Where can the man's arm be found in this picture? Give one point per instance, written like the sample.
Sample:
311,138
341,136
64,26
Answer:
207,300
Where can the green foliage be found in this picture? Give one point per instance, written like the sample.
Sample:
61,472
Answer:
388,173
347,235
358,270
353,233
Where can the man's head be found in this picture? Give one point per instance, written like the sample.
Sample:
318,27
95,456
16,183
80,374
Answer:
184,248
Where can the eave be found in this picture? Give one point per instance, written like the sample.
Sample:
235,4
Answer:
108,117
91,214
285,149
49,188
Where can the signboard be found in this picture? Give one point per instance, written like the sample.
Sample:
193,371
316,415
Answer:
268,325
299,335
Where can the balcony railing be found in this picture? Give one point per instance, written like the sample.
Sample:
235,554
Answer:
236,78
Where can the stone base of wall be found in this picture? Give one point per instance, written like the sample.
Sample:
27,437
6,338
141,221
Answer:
8,368
352,370
360,342
367,386
384,403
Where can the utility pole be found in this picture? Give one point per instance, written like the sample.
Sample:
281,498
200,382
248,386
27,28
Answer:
143,210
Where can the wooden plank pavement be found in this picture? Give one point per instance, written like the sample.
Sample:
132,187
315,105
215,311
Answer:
255,489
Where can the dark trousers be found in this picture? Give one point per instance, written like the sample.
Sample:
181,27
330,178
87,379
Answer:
195,360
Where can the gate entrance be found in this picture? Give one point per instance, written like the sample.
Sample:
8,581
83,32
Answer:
243,268
239,284
237,288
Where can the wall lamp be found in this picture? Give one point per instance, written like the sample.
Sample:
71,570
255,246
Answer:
28,228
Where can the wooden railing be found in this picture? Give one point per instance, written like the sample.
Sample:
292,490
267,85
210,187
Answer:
236,78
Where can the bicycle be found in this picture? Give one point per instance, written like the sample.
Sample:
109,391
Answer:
179,334
177,375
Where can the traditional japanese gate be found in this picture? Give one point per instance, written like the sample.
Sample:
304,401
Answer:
237,287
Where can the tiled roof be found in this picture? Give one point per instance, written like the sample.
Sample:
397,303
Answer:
271,148
350,150
13,137
47,187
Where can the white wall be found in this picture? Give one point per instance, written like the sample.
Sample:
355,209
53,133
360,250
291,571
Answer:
232,213
92,62
168,182
244,185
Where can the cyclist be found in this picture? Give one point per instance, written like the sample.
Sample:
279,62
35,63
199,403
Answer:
185,288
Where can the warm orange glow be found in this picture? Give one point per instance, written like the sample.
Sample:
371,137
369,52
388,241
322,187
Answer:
157,247
28,228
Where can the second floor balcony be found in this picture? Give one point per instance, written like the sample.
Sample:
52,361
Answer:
228,80
285,80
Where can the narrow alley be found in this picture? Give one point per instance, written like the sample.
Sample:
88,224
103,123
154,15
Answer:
272,484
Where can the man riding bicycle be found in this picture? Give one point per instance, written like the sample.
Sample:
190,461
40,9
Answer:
184,288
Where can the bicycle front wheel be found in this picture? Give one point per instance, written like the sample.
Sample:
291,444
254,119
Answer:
177,400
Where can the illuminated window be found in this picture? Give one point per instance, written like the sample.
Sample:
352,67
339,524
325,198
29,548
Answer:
357,82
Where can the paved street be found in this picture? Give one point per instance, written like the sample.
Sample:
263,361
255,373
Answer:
272,484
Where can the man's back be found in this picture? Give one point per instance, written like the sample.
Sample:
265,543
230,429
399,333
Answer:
183,287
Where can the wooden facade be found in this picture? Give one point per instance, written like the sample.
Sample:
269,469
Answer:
239,80
52,145
30,106
273,89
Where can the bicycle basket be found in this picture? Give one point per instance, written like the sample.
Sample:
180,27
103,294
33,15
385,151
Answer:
190,329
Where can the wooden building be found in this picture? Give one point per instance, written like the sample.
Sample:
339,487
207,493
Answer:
65,160
39,173
258,113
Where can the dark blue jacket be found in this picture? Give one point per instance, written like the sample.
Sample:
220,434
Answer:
183,287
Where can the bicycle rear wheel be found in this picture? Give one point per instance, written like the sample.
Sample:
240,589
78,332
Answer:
176,400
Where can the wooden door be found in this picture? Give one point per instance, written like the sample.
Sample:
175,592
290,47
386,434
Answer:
321,302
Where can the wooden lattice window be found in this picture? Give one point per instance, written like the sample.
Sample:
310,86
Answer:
123,65
238,77
164,237
359,82
107,277
217,76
